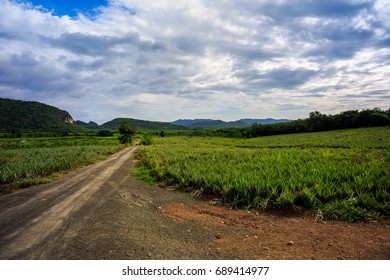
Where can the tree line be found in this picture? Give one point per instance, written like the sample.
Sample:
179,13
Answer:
314,123
319,122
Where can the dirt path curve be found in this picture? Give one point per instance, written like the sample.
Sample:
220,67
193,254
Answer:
103,212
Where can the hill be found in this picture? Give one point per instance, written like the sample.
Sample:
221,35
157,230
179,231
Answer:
141,124
202,123
263,121
18,116
90,124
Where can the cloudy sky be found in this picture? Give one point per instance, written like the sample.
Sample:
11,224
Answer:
222,59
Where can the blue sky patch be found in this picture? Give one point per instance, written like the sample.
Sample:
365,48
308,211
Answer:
70,7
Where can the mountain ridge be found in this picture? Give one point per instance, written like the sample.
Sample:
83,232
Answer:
31,116
140,124
198,123
27,116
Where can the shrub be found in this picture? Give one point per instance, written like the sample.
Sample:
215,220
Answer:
105,133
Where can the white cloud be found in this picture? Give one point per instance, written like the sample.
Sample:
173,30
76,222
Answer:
163,60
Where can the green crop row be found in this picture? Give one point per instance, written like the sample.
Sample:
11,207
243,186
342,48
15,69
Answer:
343,174
28,162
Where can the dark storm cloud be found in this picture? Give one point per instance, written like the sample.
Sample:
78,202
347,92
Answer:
4,35
79,65
85,44
249,53
328,8
277,78
379,93
35,75
284,10
384,43
333,35
337,40
332,51
94,45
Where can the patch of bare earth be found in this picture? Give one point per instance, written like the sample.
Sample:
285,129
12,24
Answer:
251,235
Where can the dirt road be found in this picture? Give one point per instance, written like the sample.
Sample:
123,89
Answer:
103,212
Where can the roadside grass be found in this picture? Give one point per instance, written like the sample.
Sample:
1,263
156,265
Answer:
33,161
343,175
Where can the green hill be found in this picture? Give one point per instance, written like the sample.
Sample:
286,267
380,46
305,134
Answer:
18,116
90,124
141,124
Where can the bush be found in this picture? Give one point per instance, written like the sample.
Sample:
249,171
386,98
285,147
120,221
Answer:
104,133
146,139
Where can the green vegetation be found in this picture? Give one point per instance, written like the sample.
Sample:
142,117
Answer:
17,117
341,174
31,161
209,123
140,124
344,174
146,139
34,119
126,132
105,133
90,125
316,122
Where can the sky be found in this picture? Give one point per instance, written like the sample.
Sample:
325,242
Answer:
164,60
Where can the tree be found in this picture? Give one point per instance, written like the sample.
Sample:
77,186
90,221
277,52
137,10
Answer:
379,119
319,122
126,132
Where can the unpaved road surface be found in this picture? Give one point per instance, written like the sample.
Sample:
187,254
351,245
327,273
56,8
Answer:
103,212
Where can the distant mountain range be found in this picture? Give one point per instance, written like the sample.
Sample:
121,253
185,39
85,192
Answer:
204,123
18,116
140,124
178,124
30,116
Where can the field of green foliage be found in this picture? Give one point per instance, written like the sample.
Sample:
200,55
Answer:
27,162
342,174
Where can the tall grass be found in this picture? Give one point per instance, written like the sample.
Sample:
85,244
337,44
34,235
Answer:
345,174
